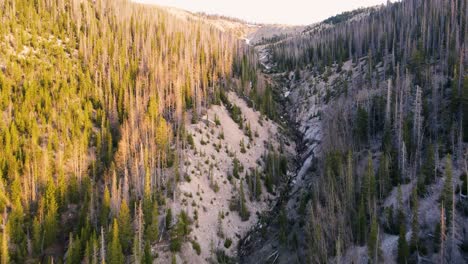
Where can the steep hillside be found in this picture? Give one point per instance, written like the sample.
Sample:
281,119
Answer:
144,134
108,152
380,98
224,171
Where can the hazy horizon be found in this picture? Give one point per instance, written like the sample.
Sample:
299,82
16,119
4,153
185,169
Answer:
292,12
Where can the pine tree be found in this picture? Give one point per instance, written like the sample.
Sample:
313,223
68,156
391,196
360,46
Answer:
383,176
369,186
258,186
37,235
74,250
362,125
464,105
220,231
429,165
243,211
414,244
147,257
168,218
349,190
147,204
91,250
114,248
88,252
180,231
401,218
50,221
136,256
105,209
447,192
403,251
152,232
373,242
235,168
362,223
15,223
125,226
4,251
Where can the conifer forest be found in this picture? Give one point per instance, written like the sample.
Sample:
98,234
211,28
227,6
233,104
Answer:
136,133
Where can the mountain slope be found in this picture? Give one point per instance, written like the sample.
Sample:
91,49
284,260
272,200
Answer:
380,101
99,100
139,134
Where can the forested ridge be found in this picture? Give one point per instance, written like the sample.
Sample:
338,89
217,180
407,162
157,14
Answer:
139,134
95,96
381,98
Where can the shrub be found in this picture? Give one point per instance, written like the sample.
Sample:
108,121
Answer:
196,247
227,243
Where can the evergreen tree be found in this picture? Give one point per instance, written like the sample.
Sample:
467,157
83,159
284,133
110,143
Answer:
415,222
369,186
258,186
105,209
383,176
243,211
373,242
421,183
403,251
401,218
235,168
37,235
147,257
169,218
147,199
429,165
362,223
114,248
136,254
447,192
16,217
4,251
180,231
51,217
464,102
74,250
362,125
152,232
125,226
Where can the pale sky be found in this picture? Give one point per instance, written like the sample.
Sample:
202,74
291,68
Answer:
293,12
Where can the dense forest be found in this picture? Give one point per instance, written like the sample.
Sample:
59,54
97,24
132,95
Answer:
139,134
391,87
95,96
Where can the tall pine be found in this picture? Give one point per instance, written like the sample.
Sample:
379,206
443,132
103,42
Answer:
415,222
114,248
125,225
447,192
4,251
152,232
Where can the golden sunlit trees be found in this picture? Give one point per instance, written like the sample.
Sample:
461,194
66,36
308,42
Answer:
96,90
